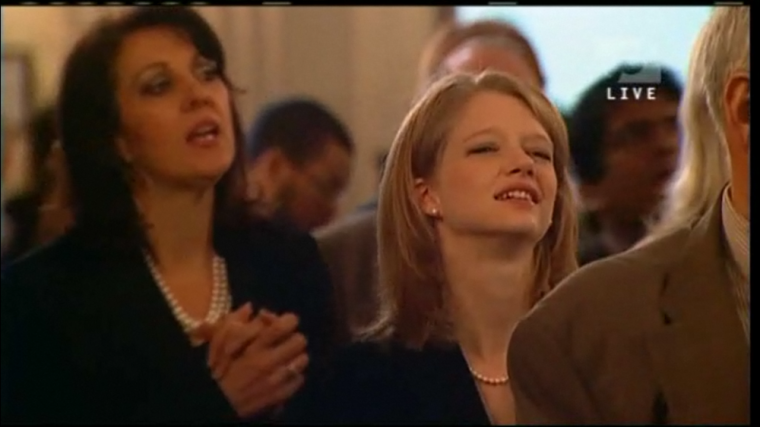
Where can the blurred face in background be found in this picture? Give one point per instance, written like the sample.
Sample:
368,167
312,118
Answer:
640,156
480,55
303,194
311,196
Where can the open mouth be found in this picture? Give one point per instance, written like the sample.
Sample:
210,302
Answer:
204,133
516,195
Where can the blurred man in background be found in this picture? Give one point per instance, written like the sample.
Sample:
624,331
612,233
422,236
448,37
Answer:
299,162
38,211
624,153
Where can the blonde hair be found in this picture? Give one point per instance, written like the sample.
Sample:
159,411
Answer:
456,34
413,304
722,48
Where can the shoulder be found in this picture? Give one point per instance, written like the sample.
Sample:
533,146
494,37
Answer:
612,292
270,244
33,272
45,289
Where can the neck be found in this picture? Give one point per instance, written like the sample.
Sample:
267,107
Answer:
488,281
620,234
179,225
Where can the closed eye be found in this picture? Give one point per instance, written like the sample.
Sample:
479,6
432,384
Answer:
545,155
483,149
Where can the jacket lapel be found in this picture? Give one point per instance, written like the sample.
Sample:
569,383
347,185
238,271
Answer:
700,353
140,314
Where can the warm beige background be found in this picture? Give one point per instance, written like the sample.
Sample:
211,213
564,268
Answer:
361,61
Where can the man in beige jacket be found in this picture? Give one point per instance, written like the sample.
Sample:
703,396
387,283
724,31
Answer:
660,334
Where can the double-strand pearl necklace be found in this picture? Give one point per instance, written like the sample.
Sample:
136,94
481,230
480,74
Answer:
221,300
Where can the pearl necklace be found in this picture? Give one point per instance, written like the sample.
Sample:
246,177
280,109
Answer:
484,379
489,380
221,300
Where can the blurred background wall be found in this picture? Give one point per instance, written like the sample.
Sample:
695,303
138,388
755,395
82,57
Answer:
361,61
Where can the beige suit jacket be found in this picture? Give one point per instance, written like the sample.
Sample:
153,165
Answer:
350,249
648,336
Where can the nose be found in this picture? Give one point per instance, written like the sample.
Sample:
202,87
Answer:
197,95
517,161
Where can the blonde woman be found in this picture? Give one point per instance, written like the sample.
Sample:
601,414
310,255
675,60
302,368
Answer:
349,246
475,224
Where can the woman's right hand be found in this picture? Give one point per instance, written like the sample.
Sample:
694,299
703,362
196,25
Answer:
258,363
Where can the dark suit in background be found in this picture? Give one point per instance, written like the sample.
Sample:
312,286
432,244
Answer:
87,336
350,249
648,336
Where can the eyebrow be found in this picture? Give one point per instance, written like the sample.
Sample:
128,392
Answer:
536,137
488,130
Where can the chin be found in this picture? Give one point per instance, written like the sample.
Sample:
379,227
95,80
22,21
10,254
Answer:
211,168
202,179
527,229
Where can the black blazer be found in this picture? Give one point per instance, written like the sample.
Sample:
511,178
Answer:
374,384
87,336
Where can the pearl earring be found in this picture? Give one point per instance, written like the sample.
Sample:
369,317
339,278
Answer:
434,212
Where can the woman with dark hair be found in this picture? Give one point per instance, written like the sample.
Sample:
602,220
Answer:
126,317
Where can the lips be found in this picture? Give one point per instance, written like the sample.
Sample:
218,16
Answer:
203,132
519,191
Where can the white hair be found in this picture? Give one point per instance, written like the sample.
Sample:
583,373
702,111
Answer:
721,49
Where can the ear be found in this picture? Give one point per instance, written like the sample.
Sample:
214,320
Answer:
277,165
426,198
736,102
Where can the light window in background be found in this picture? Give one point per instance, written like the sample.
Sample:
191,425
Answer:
577,45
